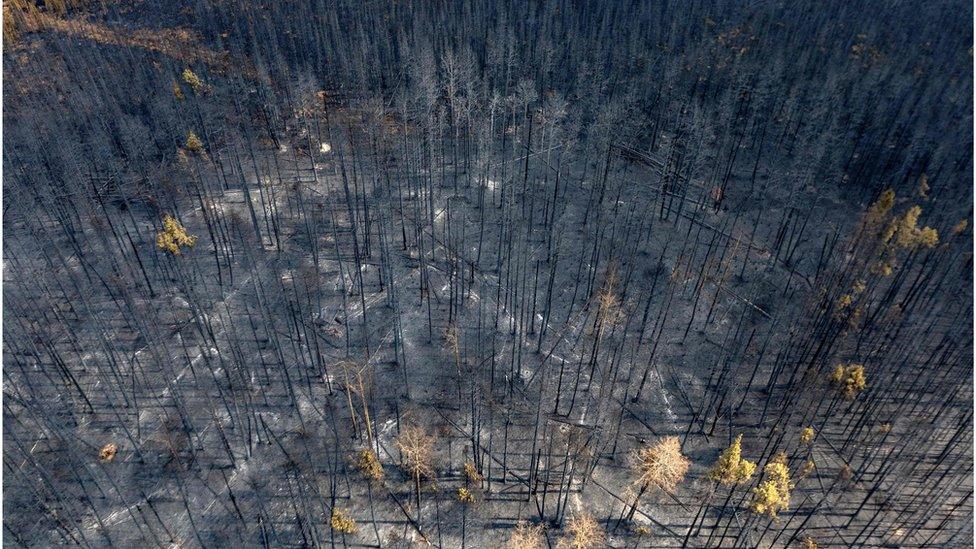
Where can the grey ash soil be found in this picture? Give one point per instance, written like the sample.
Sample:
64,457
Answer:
290,455
678,247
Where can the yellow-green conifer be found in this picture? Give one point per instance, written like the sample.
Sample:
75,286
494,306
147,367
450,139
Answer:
731,469
173,238
850,379
773,495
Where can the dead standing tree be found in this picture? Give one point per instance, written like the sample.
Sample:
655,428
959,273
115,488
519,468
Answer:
417,454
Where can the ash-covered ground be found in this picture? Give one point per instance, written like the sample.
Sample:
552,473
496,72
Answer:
310,284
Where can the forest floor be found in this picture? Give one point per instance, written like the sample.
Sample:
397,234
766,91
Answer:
219,336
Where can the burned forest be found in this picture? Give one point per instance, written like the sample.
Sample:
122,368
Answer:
503,274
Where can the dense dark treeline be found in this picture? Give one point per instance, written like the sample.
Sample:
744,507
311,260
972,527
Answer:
329,273
854,92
